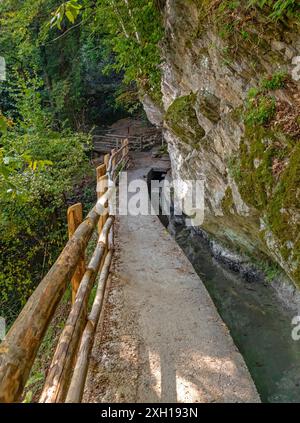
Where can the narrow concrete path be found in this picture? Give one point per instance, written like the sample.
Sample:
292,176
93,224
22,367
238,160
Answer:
162,339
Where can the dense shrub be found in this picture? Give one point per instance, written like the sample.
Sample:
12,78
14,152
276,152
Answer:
38,170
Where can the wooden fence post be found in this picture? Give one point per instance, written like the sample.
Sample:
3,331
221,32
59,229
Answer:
106,160
113,160
101,171
124,149
59,373
102,189
20,346
78,380
75,217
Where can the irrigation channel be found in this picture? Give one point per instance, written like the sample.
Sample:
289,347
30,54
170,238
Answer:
259,323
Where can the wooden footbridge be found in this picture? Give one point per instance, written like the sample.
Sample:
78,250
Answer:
67,374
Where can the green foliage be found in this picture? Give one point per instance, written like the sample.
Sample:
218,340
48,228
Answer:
134,30
275,9
69,61
270,269
260,105
69,9
259,109
279,9
3,124
128,98
38,170
275,81
72,44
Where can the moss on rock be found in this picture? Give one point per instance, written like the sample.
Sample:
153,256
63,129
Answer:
228,202
269,180
283,212
182,120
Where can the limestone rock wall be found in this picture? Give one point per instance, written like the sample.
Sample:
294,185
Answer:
206,78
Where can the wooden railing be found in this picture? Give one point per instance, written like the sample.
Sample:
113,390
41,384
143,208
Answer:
67,373
106,141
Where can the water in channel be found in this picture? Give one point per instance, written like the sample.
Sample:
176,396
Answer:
260,325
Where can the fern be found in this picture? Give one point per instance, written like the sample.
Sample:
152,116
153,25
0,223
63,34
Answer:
279,8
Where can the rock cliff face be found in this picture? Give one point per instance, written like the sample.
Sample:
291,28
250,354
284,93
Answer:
231,113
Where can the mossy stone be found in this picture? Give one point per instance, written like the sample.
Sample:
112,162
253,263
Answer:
227,202
181,119
276,196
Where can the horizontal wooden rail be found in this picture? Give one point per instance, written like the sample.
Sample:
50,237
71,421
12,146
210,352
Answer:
120,137
74,216
21,344
58,378
109,141
115,155
80,372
